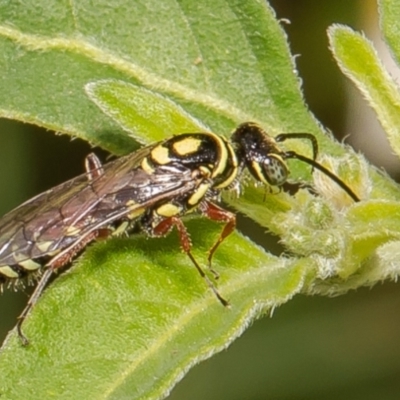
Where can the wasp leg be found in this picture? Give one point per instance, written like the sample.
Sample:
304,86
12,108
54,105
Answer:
215,213
93,166
59,261
164,227
32,301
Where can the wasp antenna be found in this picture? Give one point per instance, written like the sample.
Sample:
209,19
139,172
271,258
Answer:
314,143
326,171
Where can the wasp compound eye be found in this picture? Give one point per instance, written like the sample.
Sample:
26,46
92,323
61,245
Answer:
273,169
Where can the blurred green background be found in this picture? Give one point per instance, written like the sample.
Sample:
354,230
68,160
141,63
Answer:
313,347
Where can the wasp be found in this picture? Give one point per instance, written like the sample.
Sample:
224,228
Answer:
152,188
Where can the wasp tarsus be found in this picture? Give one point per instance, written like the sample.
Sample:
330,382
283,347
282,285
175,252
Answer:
149,190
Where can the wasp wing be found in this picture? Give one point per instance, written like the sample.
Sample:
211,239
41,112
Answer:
57,218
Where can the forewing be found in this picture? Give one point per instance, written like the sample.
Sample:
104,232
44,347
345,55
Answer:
20,229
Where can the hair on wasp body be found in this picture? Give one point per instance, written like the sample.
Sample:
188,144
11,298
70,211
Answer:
150,189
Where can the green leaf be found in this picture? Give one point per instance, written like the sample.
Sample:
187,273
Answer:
147,116
389,12
359,61
223,76
370,246
132,316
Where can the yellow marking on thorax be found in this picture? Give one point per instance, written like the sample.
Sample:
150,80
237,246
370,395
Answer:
146,166
187,146
227,156
198,195
160,155
223,156
228,181
168,210
8,272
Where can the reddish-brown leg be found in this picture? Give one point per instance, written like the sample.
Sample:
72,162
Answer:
164,227
215,213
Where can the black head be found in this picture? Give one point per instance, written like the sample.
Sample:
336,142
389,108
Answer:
260,154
